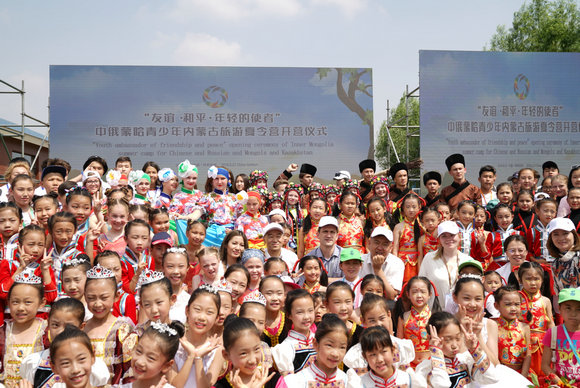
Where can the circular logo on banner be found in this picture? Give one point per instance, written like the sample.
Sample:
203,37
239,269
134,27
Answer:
521,86
215,97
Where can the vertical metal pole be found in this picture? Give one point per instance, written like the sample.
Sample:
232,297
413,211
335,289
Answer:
22,116
387,129
407,119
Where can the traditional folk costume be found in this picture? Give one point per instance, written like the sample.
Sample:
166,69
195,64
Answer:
350,233
276,335
537,239
512,346
524,221
415,329
430,244
295,353
252,225
129,265
311,240
408,249
313,377
539,325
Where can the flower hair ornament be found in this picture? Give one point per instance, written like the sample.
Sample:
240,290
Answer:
317,187
273,197
148,276
136,175
256,175
242,197
224,286
209,288
113,177
378,180
166,174
294,187
214,171
27,277
255,297
350,184
186,169
332,189
98,272
163,328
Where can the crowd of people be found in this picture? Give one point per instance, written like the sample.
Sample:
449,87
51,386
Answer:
138,278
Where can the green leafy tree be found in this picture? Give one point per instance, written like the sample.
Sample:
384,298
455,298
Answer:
541,26
398,118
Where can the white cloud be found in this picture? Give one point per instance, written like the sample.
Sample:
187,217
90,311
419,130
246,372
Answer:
348,7
207,50
235,9
327,84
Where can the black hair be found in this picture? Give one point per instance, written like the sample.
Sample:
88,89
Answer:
84,265
369,301
245,306
234,328
329,324
512,238
154,212
498,208
368,227
65,187
246,180
467,203
417,230
61,217
164,283
269,277
502,291
319,295
464,280
371,278
69,304
323,274
307,222
338,285
524,192
487,223
572,171
345,194
133,223
38,287
487,273
97,159
70,332
123,159
52,197
442,319
105,253
238,268
403,303
204,291
32,228
545,290
192,223
78,191
12,206
274,260
182,253
487,168
168,343
223,251
293,296
375,338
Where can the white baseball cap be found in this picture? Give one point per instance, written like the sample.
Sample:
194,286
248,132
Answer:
343,174
447,227
273,226
327,220
382,231
280,212
561,223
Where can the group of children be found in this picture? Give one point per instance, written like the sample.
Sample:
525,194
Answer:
137,278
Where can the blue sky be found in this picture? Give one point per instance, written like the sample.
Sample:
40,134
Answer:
384,35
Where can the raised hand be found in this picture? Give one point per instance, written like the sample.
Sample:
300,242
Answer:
434,339
470,337
46,261
378,261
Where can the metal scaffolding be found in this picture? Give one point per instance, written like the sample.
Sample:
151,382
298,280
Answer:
19,130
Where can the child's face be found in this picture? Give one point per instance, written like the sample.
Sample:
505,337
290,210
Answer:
62,233
312,271
158,250
276,269
526,180
562,240
160,223
470,297
73,282
175,268
117,217
374,287
239,283
202,314
276,205
293,198
516,253
418,294
348,206
378,316
156,303
411,208
246,353
273,291
377,212
319,309
479,218
351,268
302,314
487,179
504,218
43,209
148,360
24,303
256,314
317,210
138,215
138,238
225,308
190,182
445,213
331,349
142,187
451,340
430,221
380,361
253,205
114,264
240,185
80,207
470,270
340,303
9,223
220,183
235,247
58,321
380,190
532,281
466,214
100,296
256,269
525,202
574,199
559,187
33,245
196,235
22,192
331,197
123,167
93,185
570,312
73,362
51,182
509,306
286,237
505,194
492,282
432,186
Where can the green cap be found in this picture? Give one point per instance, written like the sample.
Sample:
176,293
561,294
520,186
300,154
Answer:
470,262
347,254
569,294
